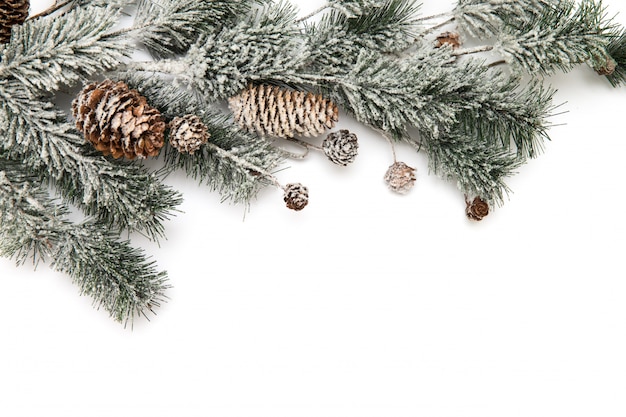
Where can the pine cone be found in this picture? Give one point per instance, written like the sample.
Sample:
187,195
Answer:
118,121
341,147
188,133
12,12
296,196
400,177
608,68
448,38
273,111
477,209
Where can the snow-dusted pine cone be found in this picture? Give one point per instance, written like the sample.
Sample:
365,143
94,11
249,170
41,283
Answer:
12,12
274,111
188,133
400,177
477,209
296,196
448,38
341,147
607,68
118,121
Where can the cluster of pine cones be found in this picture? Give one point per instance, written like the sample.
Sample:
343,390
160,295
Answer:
119,122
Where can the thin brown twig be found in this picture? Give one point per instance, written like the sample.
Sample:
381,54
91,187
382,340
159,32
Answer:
55,6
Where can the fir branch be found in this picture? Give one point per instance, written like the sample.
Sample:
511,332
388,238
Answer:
265,46
124,196
479,168
338,38
170,27
117,276
562,36
508,115
45,54
485,18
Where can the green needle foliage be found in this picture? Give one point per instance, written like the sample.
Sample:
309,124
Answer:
376,59
170,27
118,277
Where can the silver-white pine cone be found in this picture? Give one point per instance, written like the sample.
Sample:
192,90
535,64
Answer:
279,112
400,177
341,147
188,133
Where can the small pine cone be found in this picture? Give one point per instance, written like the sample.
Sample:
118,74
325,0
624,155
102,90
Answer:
341,147
477,209
608,68
274,111
12,12
296,196
118,121
400,177
188,133
448,38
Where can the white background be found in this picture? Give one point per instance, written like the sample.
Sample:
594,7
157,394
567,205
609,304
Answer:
364,304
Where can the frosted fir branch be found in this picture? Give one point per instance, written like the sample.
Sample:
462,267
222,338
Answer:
486,18
124,196
118,277
560,38
337,39
478,168
235,163
265,45
46,54
170,27
510,115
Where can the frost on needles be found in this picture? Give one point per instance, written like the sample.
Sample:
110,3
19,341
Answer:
479,113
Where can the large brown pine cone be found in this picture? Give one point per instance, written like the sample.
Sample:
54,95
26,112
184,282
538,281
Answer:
118,121
12,12
274,111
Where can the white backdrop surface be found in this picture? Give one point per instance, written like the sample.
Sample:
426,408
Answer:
364,304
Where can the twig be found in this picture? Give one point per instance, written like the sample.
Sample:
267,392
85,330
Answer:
313,13
56,6
432,17
438,26
477,50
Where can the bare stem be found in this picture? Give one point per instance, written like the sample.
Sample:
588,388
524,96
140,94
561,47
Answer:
56,6
497,63
432,17
438,26
477,50
313,13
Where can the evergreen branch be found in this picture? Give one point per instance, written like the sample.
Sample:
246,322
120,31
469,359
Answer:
264,46
170,27
561,37
235,163
355,8
117,276
509,115
486,18
338,38
124,196
45,54
478,168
